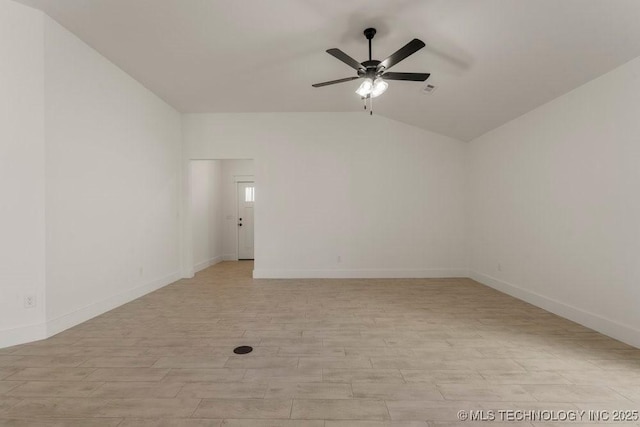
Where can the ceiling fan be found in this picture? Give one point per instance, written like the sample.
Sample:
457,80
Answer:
375,72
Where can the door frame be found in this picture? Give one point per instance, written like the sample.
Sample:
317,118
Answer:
185,237
239,179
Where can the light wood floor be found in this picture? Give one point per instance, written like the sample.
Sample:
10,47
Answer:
333,353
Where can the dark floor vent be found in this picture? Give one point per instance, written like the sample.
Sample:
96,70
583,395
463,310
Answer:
244,349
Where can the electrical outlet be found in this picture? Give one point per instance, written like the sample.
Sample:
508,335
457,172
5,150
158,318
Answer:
499,267
29,301
339,259
141,271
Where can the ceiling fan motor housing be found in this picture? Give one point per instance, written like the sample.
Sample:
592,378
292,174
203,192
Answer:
371,70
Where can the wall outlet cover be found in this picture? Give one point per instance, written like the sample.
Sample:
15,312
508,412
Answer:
29,301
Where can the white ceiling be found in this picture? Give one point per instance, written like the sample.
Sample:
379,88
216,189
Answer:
491,60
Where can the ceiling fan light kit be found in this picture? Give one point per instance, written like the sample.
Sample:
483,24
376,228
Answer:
379,87
374,72
370,88
365,88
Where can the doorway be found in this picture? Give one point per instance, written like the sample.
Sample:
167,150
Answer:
220,217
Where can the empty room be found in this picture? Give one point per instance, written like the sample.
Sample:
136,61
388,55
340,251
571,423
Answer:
319,213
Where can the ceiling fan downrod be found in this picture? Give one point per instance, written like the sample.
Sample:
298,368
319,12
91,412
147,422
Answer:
369,33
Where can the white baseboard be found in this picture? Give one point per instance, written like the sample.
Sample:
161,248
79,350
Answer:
23,334
52,327
360,274
591,320
619,331
69,320
206,264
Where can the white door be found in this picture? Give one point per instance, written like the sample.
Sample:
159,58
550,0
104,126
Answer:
246,200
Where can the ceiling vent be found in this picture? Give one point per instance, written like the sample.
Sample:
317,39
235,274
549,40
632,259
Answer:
429,89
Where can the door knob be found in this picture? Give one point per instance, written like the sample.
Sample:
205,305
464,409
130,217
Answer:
240,225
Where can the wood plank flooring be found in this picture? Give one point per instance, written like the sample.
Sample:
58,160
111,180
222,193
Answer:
327,353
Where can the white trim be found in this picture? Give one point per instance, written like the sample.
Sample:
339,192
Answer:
186,223
52,327
68,320
619,331
360,274
40,331
23,334
206,264
243,178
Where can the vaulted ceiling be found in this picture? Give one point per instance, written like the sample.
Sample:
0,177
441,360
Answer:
491,60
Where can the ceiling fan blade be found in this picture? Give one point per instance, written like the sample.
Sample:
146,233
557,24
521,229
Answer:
413,77
332,82
409,49
337,53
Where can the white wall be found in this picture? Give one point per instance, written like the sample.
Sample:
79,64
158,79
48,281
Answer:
555,204
388,198
22,184
113,174
552,210
206,212
89,177
230,170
